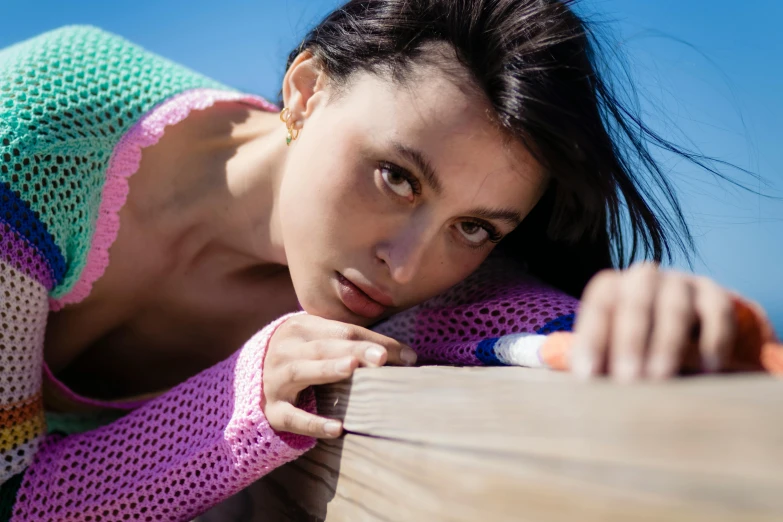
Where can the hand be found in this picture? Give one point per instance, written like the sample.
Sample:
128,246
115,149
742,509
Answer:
638,323
308,350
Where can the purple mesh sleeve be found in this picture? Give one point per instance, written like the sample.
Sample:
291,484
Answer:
496,300
170,459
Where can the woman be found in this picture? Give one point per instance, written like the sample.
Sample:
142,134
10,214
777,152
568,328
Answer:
415,137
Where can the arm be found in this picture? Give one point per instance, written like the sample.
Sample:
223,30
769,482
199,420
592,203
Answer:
175,456
502,316
498,316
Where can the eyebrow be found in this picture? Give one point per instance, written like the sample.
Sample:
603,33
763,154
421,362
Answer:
422,163
512,217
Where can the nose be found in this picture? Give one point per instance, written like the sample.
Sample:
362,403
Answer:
404,253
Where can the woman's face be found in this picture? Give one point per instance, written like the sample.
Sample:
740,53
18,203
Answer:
397,192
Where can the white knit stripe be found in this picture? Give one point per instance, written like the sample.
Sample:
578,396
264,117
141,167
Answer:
23,314
24,307
520,349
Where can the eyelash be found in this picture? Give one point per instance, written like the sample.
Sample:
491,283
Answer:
493,235
410,178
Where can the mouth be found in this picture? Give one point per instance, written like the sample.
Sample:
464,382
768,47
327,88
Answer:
358,300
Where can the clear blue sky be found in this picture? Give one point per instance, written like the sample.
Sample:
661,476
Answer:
722,89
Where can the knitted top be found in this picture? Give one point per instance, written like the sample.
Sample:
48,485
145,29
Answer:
77,105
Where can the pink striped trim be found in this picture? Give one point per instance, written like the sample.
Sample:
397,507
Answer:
125,162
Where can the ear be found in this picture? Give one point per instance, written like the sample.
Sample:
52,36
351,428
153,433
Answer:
304,87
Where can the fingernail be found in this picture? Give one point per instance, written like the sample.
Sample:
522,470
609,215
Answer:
374,354
408,356
332,428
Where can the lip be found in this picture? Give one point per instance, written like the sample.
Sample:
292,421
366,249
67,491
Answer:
373,293
357,300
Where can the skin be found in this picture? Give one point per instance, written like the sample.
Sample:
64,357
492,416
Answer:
636,323
251,222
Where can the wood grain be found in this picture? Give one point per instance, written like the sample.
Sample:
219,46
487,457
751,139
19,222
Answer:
441,443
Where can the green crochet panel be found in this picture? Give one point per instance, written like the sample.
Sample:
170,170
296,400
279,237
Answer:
66,98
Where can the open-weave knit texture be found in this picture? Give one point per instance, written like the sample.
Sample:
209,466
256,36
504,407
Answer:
173,458
23,312
67,97
77,105
497,300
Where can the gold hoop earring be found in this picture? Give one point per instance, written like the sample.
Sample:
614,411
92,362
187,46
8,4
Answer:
291,136
293,133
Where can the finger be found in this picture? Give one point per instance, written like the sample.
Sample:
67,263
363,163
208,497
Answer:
396,352
306,373
301,422
716,314
367,353
632,321
311,328
674,318
592,324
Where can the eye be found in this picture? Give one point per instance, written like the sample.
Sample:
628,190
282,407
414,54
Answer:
477,234
398,180
473,232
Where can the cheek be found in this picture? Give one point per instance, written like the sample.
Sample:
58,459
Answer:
444,270
329,202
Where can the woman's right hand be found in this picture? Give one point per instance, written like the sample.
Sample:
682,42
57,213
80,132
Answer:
308,350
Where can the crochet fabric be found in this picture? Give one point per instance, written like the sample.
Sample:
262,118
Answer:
471,323
77,105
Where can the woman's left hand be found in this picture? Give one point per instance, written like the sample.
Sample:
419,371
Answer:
637,323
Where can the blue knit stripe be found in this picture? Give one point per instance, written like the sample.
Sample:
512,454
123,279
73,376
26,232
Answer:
564,323
485,352
18,215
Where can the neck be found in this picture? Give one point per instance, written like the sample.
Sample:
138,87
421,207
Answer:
223,201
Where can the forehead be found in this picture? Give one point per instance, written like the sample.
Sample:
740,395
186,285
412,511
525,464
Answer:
428,103
451,125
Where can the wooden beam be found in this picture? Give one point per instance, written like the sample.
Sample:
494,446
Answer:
496,444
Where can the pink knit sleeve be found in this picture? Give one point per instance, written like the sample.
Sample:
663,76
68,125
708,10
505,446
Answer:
170,459
500,315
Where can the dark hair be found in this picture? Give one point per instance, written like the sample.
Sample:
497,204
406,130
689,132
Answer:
539,65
